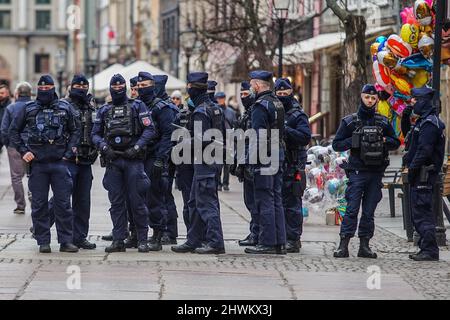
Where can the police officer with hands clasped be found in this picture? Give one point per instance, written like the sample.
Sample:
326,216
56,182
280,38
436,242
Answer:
297,138
369,137
424,160
53,137
122,132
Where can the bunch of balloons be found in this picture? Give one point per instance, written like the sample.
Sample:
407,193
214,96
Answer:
327,181
403,62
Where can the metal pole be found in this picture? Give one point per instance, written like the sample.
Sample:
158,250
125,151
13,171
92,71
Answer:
280,48
188,64
440,7
60,82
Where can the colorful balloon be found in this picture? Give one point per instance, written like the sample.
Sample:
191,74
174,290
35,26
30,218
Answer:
422,12
374,49
426,46
407,16
421,78
417,61
401,84
384,109
410,34
399,47
388,59
381,74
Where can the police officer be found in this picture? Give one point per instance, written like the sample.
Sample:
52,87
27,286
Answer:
122,131
170,234
268,114
370,137
212,90
53,137
80,164
424,161
204,209
158,154
245,123
230,124
134,87
185,171
297,138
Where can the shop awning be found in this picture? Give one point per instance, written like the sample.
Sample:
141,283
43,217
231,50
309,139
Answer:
303,52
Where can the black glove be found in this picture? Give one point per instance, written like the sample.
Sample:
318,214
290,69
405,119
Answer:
132,153
157,170
109,154
408,111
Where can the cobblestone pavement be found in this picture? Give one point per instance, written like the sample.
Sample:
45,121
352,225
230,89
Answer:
314,274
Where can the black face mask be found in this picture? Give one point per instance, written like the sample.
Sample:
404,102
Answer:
287,102
46,97
79,95
147,95
119,97
422,106
195,92
248,101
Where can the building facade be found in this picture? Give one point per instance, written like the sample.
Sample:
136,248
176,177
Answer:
34,39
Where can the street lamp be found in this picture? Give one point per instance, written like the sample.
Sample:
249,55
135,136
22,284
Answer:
281,13
92,63
189,40
60,66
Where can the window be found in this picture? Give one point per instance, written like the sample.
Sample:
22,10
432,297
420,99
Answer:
5,20
42,63
43,20
43,1
5,1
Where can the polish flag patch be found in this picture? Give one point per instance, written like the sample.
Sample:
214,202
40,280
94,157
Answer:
146,121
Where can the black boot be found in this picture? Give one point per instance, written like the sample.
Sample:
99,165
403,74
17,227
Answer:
131,242
342,251
116,246
293,247
68,248
183,248
143,247
86,245
424,256
250,241
108,237
45,248
364,249
155,242
167,240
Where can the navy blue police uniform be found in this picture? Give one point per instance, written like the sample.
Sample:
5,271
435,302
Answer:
424,161
297,138
268,114
122,131
171,229
212,90
370,137
53,135
242,169
204,209
158,155
80,164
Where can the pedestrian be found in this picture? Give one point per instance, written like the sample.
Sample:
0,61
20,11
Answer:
230,120
122,132
204,208
297,138
268,115
177,99
22,96
369,137
5,101
53,136
424,161
157,155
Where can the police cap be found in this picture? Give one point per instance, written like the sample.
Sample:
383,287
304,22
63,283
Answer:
161,80
46,80
212,85
80,79
369,89
261,75
245,86
283,84
134,81
422,92
145,76
117,79
198,77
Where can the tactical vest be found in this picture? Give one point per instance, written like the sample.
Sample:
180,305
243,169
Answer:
47,125
371,144
121,126
279,120
185,118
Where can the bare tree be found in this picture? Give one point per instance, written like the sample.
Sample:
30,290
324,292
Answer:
354,60
246,27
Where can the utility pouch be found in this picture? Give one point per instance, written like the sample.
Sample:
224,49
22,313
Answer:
356,139
425,173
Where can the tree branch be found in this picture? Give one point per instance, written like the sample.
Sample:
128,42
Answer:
342,14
